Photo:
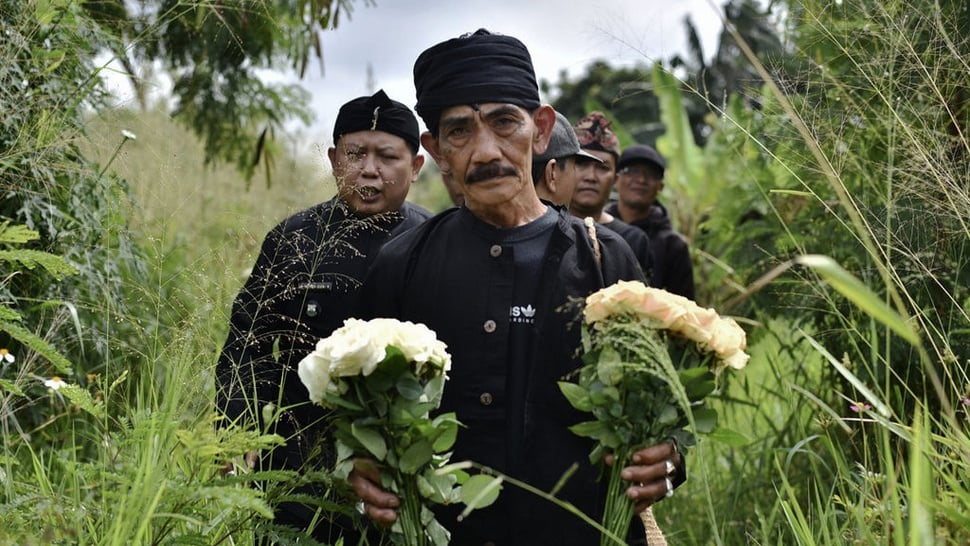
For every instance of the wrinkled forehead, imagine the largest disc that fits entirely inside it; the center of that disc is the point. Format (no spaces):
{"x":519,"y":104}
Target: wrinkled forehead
{"x":468,"y":113}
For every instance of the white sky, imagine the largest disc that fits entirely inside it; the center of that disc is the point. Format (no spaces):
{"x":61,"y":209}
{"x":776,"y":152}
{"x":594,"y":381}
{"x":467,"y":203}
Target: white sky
{"x":560,"y":34}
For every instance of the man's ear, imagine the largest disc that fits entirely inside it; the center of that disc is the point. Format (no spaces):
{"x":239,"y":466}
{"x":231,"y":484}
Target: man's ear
{"x":332,"y":156}
{"x":545,"y":119}
{"x":430,"y":143}
{"x":550,"y":181}
{"x":416,"y":165}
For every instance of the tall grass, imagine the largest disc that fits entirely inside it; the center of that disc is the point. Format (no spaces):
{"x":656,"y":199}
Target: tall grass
{"x":858,"y":435}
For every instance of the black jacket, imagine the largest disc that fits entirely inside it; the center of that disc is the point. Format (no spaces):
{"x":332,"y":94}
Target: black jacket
{"x":639,"y":243}
{"x":303,"y":286}
{"x":450,"y":274}
{"x":672,"y":267}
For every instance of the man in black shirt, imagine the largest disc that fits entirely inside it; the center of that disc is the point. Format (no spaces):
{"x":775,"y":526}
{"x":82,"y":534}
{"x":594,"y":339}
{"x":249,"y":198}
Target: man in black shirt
{"x":639,"y":179}
{"x":494,"y":280}
{"x":305,"y":283}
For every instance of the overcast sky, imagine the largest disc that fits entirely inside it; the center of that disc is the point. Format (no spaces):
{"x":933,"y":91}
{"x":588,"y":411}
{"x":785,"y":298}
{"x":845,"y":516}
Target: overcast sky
{"x":560,"y":34}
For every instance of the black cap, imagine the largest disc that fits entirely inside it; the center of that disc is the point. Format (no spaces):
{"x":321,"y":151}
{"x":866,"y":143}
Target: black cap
{"x":563,"y":143}
{"x":641,"y":153}
{"x":377,"y":113}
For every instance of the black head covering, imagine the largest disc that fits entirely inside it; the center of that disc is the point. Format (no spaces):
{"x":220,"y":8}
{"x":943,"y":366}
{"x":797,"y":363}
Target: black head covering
{"x":377,"y":113}
{"x":472,"y":69}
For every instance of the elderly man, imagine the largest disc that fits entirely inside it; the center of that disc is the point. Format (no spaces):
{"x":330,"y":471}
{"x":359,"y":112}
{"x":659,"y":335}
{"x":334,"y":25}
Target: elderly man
{"x":306,"y":279}
{"x":493,"y":279}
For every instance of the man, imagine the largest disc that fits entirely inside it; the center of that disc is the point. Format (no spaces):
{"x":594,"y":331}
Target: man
{"x":640,"y":173}
{"x":306,"y":279}
{"x":494,"y":280}
{"x":595,"y":184}
{"x":554,"y":171}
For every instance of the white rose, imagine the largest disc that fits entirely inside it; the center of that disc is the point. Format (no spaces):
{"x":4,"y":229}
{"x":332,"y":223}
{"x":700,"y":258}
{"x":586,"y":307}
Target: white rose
{"x":352,"y":349}
{"x":314,"y":372}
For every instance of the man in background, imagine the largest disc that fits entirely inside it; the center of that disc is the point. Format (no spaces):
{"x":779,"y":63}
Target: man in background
{"x":595,"y":184}
{"x":640,"y":174}
{"x":305,"y":284}
{"x":554,"y":170}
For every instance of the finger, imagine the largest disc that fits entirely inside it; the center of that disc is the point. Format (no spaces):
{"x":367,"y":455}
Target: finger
{"x":381,"y":516}
{"x":657,"y":453}
{"x":368,"y":469}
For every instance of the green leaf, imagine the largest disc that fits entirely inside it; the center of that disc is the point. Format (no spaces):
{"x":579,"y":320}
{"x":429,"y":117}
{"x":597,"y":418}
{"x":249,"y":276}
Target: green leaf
{"x":705,"y":419}
{"x":859,"y":294}
{"x":479,"y":491}
{"x":589,"y":429}
{"x":699,"y":388}
{"x":576,"y":396}
{"x":668,"y":415}
{"x":37,"y":344}
{"x":372,"y":441}
{"x":9,"y":386}
{"x":416,"y":456}
{"x":447,"y":425}
{"x":82,"y":399}
{"x":409,"y":386}
{"x":729,"y":437}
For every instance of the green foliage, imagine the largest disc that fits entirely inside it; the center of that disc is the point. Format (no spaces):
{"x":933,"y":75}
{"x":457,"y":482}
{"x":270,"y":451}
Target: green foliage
{"x":217,"y":54}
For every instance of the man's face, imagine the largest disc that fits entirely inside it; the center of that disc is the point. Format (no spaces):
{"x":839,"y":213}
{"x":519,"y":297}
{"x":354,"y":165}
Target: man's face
{"x":487,"y":150}
{"x":595,"y":182}
{"x":374,"y":171}
{"x":638,"y":184}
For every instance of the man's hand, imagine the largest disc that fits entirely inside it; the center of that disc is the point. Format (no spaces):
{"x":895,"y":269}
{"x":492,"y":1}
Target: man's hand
{"x":651,"y":474}
{"x":379,"y":505}
{"x":249,"y":459}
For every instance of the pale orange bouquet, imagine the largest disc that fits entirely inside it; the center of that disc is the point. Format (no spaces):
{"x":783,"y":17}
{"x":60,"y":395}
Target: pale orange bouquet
{"x":650,"y":358}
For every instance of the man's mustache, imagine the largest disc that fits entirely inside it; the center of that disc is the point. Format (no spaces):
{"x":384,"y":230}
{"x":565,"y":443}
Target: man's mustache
{"x":487,"y":171}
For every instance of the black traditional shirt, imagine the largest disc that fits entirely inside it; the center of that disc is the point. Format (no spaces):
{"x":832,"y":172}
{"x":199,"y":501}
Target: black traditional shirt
{"x":458,"y":275}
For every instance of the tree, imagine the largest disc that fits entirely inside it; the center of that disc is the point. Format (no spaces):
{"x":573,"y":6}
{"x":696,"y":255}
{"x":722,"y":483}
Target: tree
{"x":626,"y":94}
{"x":214,"y":52}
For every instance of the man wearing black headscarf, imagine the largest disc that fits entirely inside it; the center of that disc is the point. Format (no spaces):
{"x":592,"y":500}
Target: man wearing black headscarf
{"x":305,"y":283}
{"x":508,"y":265}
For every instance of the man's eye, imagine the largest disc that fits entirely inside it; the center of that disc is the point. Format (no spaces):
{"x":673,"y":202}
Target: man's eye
{"x":456,"y":132}
{"x":354,"y":155}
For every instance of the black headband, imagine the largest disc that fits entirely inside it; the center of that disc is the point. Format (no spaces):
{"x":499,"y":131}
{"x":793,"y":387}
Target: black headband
{"x":472,"y":69}
{"x":377,"y":113}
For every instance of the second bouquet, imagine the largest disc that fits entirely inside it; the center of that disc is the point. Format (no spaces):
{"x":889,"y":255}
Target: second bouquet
{"x":382,"y":379}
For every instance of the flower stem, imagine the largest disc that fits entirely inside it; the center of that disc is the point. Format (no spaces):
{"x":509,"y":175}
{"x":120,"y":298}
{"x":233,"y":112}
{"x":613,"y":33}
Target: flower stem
{"x":619,"y":510}
{"x":410,"y":511}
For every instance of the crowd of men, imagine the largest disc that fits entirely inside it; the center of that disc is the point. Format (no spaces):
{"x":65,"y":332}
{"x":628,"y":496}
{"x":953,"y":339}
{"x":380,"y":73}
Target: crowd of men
{"x":534,"y":228}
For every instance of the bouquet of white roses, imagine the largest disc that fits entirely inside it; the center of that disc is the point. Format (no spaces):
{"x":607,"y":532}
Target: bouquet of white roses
{"x":381,"y":379}
{"x":631,"y":385}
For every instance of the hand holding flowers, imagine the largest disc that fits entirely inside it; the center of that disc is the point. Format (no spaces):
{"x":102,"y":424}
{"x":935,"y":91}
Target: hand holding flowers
{"x":382,"y":378}
{"x":630,"y":384}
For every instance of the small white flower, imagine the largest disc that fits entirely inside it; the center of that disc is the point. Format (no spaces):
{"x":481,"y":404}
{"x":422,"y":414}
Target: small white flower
{"x":7,"y":356}
{"x":128,"y":134}
{"x":54,"y":383}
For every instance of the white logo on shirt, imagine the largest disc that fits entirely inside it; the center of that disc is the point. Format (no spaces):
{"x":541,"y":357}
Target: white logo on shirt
{"x":522,"y":314}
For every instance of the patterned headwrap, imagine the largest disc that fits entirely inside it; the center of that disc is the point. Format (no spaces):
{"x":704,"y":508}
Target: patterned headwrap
{"x":377,"y":113}
{"x":594,"y":133}
{"x":472,"y":69}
